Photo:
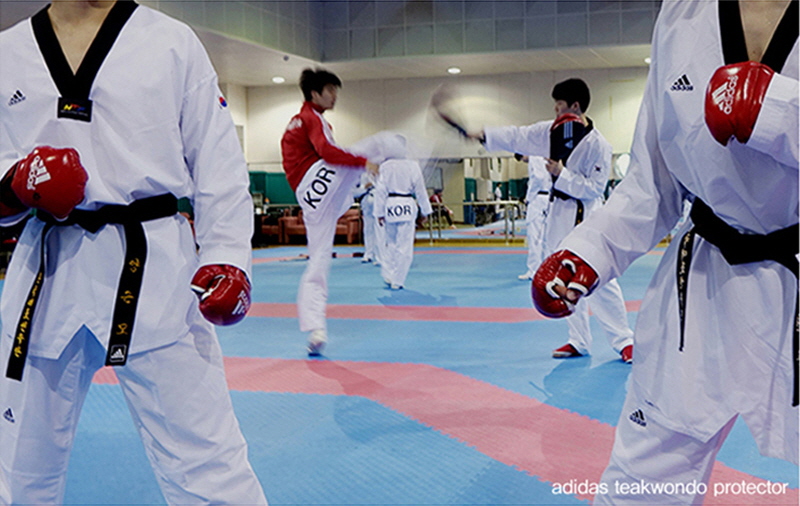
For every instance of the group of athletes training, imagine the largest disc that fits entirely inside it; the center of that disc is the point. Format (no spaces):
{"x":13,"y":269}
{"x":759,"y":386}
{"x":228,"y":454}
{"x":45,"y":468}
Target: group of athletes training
{"x":98,"y":176}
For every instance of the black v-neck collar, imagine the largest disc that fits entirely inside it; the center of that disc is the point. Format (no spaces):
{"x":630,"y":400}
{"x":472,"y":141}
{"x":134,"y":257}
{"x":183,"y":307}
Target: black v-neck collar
{"x":79,"y":85}
{"x":734,"y":48}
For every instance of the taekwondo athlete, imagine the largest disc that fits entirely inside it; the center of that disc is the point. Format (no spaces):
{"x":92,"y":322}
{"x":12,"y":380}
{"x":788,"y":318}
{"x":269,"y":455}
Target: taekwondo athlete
{"x":400,"y":196}
{"x":373,"y":234}
{"x":323,"y":177}
{"x":578,"y":160}
{"x":103,"y":270}
{"x":717,"y":329}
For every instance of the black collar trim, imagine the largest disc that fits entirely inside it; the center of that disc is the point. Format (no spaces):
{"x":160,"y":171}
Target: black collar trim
{"x":734,"y":48}
{"x":589,"y":126}
{"x":783,"y":39}
{"x":79,"y":85}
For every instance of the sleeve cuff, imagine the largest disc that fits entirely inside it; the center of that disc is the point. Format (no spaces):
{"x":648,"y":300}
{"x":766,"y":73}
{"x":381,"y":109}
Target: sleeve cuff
{"x":781,"y":91}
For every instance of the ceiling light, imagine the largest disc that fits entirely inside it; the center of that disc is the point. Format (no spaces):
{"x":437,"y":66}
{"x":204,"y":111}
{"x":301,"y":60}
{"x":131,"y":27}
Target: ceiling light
{"x":278,"y":80}
{"x":647,"y":60}
{"x":454,"y":70}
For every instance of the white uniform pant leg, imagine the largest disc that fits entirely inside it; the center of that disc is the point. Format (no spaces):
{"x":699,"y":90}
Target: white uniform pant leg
{"x":650,"y":454}
{"x":45,"y":407}
{"x":368,"y":227}
{"x":370,"y":247}
{"x":580,"y":335}
{"x":404,"y":252}
{"x":180,"y":404}
{"x":534,"y":239}
{"x":324,"y":194}
{"x":608,"y":305}
{"x":380,"y":242}
{"x":312,"y":294}
{"x":389,"y":254}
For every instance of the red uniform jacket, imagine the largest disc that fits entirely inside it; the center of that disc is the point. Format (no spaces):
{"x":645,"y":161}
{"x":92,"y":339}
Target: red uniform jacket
{"x":309,"y":138}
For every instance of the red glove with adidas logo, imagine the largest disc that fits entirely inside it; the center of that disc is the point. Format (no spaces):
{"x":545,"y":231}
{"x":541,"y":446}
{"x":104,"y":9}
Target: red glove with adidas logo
{"x":733,"y":100}
{"x":224,"y":293}
{"x":50,"y":179}
{"x":561,"y":280}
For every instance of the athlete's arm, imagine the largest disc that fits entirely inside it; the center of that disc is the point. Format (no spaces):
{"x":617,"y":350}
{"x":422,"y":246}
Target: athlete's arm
{"x":328,"y":151}
{"x":643,"y":208}
{"x":590,"y":184}
{"x":222,"y":204}
{"x":527,"y":140}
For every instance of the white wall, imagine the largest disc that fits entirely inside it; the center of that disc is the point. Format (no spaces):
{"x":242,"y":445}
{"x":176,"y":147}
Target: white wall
{"x":366,"y":107}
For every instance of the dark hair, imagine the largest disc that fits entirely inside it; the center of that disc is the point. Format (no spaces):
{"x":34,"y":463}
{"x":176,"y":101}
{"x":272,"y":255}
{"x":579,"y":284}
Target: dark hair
{"x":518,"y":157}
{"x":316,"y":80}
{"x":571,"y":91}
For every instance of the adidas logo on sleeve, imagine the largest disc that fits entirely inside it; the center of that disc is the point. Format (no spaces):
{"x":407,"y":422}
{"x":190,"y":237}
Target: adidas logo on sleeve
{"x":682,"y":84}
{"x":637,"y":417}
{"x":16,"y":98}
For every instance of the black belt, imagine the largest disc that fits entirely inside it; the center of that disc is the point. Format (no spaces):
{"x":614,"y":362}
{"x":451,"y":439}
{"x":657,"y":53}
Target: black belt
{"x":543,"y":192}
{"x":411,"y":195}
{"x":130,"y":217}
{"x":780,"y":246}
{"x":364,"y":195}
{"x":563,"y":196}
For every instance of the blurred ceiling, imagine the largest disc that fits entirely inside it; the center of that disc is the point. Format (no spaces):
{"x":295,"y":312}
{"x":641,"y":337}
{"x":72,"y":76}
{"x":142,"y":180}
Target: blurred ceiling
{"x":249,"y":64}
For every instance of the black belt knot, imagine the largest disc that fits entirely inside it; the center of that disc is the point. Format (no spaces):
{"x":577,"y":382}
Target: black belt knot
{"x":131,"y":217}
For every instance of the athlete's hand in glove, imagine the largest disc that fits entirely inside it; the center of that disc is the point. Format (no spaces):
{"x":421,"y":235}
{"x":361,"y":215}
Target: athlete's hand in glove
{"x":50,"y":179}
{"x":224,"y":293}
{"x":733,"y":100}
{"x":560,"y":281}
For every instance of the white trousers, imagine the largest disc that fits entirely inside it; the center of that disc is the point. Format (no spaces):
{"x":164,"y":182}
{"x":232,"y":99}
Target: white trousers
{"x":180,"y":404}
{"x":373,"y":234}
{"x":607,"y":302}
{"x":399,"y":251}
{"x":647,"y":455}
{"x":608,"y":305}
{"x":535,"y":216}
{"x":324,"y":194}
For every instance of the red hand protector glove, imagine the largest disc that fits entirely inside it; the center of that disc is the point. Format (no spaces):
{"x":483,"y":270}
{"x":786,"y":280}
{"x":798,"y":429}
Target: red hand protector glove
{"x":733,"y":100}
{"x":224,"y":293}
{"x":560,"y":281}
{"x":565,"y":118}
{"x":50,"y":179}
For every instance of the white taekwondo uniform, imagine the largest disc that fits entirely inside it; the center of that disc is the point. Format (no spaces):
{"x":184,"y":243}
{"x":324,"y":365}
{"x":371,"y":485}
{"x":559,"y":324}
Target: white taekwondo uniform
{"x":400,"y":189}
{"x":538,"y":202}
{"x":373,"y":234}
{"x":580,"y":186}
{"x":735,"y":354}
{"x":158,"y":125}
